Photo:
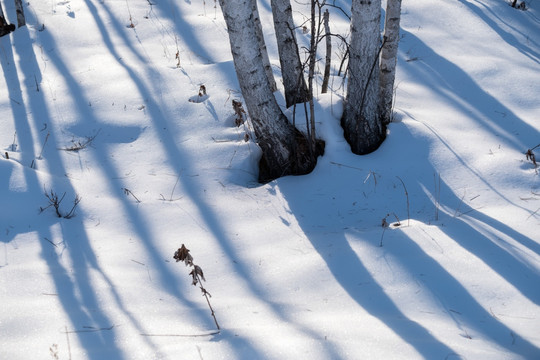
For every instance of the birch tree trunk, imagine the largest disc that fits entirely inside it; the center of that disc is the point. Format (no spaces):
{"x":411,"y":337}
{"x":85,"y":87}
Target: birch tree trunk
{"x":284,"y":149}
{"x":262,"y":46}
{"x":361,"y":121}
{"x":21,"y":21}
{"x":289,"y":58}
{"x":328,"y":59}
{"x":388,"y":58}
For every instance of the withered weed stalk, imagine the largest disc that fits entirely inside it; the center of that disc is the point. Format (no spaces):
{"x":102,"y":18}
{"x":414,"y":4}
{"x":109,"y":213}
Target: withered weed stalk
{"x":129,"y":192}
{"x":239,"y":112}
{"x":13,"y":146}
{"x":182,"y":254}
{"x":55,"y":201}
{"x":77,"y":145}
{"x":172,"y":192}
{"x":201,"y":96}
{"x":530,"y":156}
{"x":131,"y":24}
{"x":177,"y":56}
{"x":407,"y":196}
{"x":385,"y":225}
{"x":53,"y":351}
{"x":437,"y":195}
{"x":33,"y":164}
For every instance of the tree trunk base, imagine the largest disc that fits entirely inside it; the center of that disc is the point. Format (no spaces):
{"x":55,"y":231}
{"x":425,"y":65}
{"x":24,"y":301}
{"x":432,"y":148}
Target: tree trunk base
{"x":6,"y":29}
{"x":360,"y":136}
{"x":301,"y":162}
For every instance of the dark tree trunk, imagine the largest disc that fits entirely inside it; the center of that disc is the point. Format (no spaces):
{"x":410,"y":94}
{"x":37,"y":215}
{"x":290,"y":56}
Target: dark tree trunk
{"x":328,"y":60}
{"x":5,"y":28}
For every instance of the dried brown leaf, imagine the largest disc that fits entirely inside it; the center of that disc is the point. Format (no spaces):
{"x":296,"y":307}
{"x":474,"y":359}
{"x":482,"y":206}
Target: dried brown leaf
{"x":182,"y":254}
{"x":197,"y":273}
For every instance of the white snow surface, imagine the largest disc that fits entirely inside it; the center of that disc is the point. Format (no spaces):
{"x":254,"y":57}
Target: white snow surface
{"x":295,"y":267}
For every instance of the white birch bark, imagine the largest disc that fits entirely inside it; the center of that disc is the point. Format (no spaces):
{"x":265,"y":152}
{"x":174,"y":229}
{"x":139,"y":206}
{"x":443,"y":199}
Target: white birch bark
{"x":262,"y":46}
{"x":361,"y":122}
{"x":275,"y":135}
{"x":289,"y":58}
{"x":388,"y":58}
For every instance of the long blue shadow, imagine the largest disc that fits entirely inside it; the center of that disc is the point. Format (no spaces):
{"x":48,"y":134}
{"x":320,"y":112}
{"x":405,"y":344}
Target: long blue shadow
{"x":179,"y":161}
{"x":450,"y":82}
{"x":75,"y":293}
{"x":487,"y":14}
{"x":350,"y":272}
{"x":459,"y":90}
{"x":507,"y":263}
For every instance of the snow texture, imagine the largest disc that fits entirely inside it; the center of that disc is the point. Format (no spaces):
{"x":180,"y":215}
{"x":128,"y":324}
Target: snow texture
{"x":94,"y":103}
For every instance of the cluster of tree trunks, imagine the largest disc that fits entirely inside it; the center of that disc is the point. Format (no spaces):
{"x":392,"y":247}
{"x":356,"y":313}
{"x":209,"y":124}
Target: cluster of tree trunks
{"x":371,"y":69}
{"x":283,"y":146}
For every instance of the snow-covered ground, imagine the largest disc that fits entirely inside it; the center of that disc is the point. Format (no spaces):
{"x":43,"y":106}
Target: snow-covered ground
{"x":295,"y":267}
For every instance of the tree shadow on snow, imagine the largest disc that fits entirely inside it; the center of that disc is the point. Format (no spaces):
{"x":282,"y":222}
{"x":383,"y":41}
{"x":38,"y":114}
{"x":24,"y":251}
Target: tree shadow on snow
{"x":459,"y":90}
{"x":73,"y":285}
{"x":102,"y":342}
{"x":337,"y":223}
{"x":486,"y":238}
{"x":179,"y":161}
{"x":492,"y":18}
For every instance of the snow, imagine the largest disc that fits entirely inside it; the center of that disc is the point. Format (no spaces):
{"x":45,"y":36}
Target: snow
{"x":295,"y":267}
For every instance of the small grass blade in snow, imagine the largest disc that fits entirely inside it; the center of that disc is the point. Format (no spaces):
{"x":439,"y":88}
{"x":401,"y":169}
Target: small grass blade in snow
{"x":182,"y":254}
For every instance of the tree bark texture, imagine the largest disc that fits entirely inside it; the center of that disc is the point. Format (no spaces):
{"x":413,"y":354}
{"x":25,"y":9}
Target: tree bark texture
{"x":21,"y":21}
{"x":262,"y":46}
{"x":328,"y":60}
{"x":281,"y":144}
{"x":361,"y":120}
{"x":388,"y":58}
{"x":289,"y":58}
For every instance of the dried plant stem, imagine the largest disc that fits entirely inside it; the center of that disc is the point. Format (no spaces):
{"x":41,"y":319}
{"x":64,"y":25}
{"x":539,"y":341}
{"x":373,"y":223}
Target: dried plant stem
{"x":131,"y":25}
{"x":13,"y":146}
{"x":44,"y":143}
{"x":55,"y":201}
{"x":206,"y":295}
{"x":183,"y":335}
{"x":129,"y":192}
{"x":68,"y":344}
{"x":407,"y":196}
{"x":177,"y":52}
{"x":437,"y":195}
{"x":182,"y":254}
